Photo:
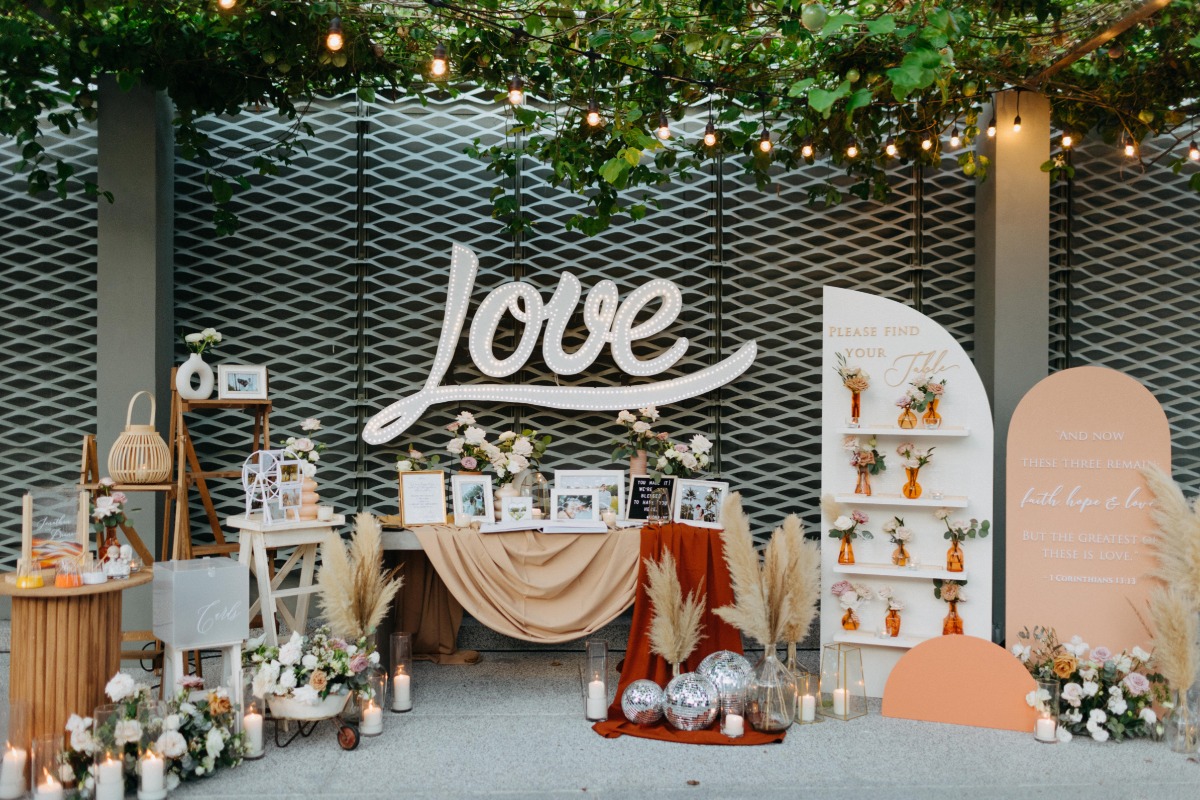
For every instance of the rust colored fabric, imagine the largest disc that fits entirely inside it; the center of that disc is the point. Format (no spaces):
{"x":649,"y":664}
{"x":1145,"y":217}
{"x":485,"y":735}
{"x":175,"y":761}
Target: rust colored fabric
{"x":701,"y":566}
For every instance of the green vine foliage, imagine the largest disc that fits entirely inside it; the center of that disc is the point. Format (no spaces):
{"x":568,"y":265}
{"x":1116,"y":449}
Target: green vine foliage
{"x":821,"y":76}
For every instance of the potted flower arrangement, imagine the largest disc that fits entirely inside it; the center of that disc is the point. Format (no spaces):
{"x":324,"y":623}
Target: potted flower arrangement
{"x":1104,"y":694}
{"x":914,"y":459}
{"x":310,"y":677}
{"x":857,"y":381}
{"x":892,"y":620}
{"x":467,"y":446}
{"x":683,"y":460}
{"x":899,"y":536}
{"x":956,"y":533}
{"x":415,"y":460}
{"x":867,"y":461}
{"x":107,"y":513}
{"x":926,"y":394}
{"x":307,"y":451}
{"x":851,"y":596}
{"x":950,"y":592}
{"x":195,"y":366}
{"x":847,"y":529}
{"x":639,"y":441}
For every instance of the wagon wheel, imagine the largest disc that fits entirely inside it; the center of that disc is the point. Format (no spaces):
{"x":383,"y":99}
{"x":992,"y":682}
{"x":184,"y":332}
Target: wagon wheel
{"x":347,"y":737}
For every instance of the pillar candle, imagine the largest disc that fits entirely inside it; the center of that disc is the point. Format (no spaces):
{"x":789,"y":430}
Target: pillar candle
{"x":372,"y":719}
{"x":1045,"y":730}
{"x":839,"y":702}
{"x":597,"y":705}
{"x":12,"y":773}
{"x":252,"y":723}
{"x":808,"y":708}
{"x":48,"y":789}
{"x":734,"y":725}
{"x":152,"y":773}
{"x":401,"y":692}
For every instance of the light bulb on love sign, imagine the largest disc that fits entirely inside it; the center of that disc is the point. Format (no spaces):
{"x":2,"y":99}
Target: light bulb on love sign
{"x":607,"y":321}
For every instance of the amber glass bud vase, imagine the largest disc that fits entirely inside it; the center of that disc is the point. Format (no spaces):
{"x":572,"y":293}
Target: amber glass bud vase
{"x":864,"y":481}
{"x":850,"y":620}
{"x":953,"y":623}
{"x":931,"y":418}
{"x":855,"y":405}
{"x":954,"y":557}
{"x":912,"y":489}
{"x":900,"y":555}
{"x":907,"y":419}
{"x":892,"y":621}
{"x":846,"y":553}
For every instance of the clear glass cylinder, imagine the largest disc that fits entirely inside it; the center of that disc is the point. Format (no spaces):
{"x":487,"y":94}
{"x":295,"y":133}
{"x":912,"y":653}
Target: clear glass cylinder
{"x":595,"y":699}
{"x":1046,"y":705}
{"x":770,"y":695}
{"x":658,"y":507}
{"x":152,"y":772}
{"x":1181,"y":725}
{"x":14,"y":765}
{"x":44,"y":774}
{"x":252,"y":720}
{"x":371,"y":700}
{"x":733,"y":714}
{"x":108,"y":765}
{"x":104,"y":722}
{"x":843,"y":687}
{"x":401,"y":664}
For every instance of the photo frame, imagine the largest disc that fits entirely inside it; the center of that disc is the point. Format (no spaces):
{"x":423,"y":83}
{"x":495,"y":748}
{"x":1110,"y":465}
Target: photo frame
{"x":610,"y":483}
{"x":699,"y":502}
{"x":241,"y":382}
{"x":640,"y":487}
{"x":423,"y":497}
{"x":282,"y":501}
{"x":575,"y":505}
{"x":54,"y":524}
{"x":472,"y":498}
{"x":516,"y":510}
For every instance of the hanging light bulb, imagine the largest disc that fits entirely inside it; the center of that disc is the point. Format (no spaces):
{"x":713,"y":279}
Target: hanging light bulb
{"x":764,"y":140}
{"x":593,"y":114}
{"x":927,"y":144}
{"x":710,"y":134}
{"x":438,"y":66}
{"x":664,"y":127}
{"x":1193,"y":151}
{"x":226,"y":5}
{"x":806,"y":149}
{"x":890,"y":147}
{"x":991,"y":128}
{"x":1067,"y":140}
{"x":334,"y":39}
{"x":516,"y":90}
{"x":1130,"y":148}
{"x":1017,"y":124}
{"x":955,"y":139}
{"x":852,"y":149}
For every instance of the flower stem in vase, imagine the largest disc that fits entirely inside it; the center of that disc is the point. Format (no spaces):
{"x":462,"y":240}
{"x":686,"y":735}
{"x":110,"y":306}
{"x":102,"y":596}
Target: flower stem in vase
{"x":864,"y":481}
{"x":953,"y":623}
{"x":846,"y":553}
{"x":855,"y":405}
{"x":892,"y":621}
{"x":900,"y":556}
{"x":907,"y":419}
{"x":954,"y":557}
{"x":931,"y":418}
{"x":912,"y":489}
{"x":850,"y":620}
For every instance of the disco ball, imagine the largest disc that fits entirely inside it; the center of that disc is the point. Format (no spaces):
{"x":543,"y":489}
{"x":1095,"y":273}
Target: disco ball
{"x":729,"y":672}
{"x":691,"y":702}
{"x":642,"y":702}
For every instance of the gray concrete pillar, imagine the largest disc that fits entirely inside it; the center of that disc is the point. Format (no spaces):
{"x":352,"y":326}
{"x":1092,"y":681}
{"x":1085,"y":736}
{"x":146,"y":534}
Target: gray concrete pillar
{"x":135,"y":283}
{"x":1012,"y":276}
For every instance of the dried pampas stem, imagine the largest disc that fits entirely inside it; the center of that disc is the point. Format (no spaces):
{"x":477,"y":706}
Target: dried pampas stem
{"x":1177,"y":636}
{"x":804,"y":581}
{"x":354,"y":592}
{"x":749,"y":611}
{"x":830,"y":507}
{"x":1178,"y":540}
{"x":675,"y":620}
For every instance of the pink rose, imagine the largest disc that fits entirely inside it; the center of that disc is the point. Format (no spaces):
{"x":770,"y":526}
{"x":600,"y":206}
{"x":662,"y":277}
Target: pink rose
{"x":681,"y":448}
{"x":1101,"y":654}
{"x":469,"y":463}
{"x":1136,"y":684}
{"x":119,"y":497}
{"x":452,"y":427}
{"x":337,"y":644}
{"x":904,"y":402}
{"x":841,"y":586}
{"x":358,"y":662}
{"x":859,"y":517}
{"x":662,"y":437}
{"x":905,"y":448}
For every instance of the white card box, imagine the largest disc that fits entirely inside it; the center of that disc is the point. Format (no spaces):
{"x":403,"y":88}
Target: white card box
{"x":203,"y":602}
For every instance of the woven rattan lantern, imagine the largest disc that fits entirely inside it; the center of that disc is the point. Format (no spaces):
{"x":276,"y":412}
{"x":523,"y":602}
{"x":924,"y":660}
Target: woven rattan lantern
{"x":139,"y":455}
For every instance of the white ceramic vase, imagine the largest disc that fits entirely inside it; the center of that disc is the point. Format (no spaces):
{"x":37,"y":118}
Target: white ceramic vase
{"x":502,"y":493}
{"x":194,"y":366}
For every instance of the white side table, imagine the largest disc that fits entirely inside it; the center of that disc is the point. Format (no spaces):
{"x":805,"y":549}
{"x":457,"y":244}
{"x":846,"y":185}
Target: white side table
{"x":306,"y":536}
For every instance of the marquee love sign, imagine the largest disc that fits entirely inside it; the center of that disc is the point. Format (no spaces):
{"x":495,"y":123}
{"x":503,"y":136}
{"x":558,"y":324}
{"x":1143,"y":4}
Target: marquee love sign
{"x":607,"y":322}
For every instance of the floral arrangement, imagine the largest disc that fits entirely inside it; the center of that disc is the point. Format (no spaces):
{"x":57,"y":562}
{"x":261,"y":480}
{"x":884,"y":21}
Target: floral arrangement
{"x":514,"y":452}
{"x":468,"y":447}
{"x":923,"y":390}
{"x":851,"y":596}
{"x":305,"y":448}
{"x":670,"y":458}
{"x":1104,"y":694}
{"x":638,"y":434}
{"x":108,"y":507}
{"x":414,"y":459}
{"x":853,"y":378}
{"x":684,"y":460}
{"x":309,"y":669}
{"x":847,"y":527}
{"x":959,"y":531}
{"x":897,"y":532}
{"x":868,"y":456}
{"x":206,"y":339}
{"x":196,"y":737}
{"x":914,"y":457}
{"x":949,"y":591}
{"x":888,"y":595}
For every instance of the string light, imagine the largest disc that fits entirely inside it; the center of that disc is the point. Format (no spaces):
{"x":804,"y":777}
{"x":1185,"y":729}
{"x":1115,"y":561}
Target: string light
{"x":664,"y":127}
{"x":991,"y":128}
{"x":334,"y":39}
{"x":710,"y":134}
{"x":1130,"y":148}
{"x":890,"y":147}
{"x":852,"y":149}
{"x":764,"y":138}
{"x":593,"y":114}
{"x":1017,"y":118}
{"x":927,"y":144}
{"x":955,"y":139}
{"x":806,"y":149}
{"x":1193,"y":151}
{"x":1067,"y":140}
{"x":226,"y":5}
{"x":438,"y":66}
{"x":516,"y":90}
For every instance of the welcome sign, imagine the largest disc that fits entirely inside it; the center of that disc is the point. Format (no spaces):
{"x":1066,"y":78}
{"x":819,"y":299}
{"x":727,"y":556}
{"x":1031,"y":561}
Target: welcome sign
{"x":1079,"y":512}
{"x":608,"y":321}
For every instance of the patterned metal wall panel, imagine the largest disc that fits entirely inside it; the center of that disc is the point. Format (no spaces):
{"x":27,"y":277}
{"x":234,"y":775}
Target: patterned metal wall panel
{"x":282,"y":292}
{"x":1136,"y":237}
{"x":48,"y":291}
{"x":948,"y":249}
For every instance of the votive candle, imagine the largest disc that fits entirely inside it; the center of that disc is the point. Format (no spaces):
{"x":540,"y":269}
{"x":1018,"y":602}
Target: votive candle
{"x":735,"y":726}
{"x":372,"y":720}
{"x":48,"y":789}
{"x":401,"y":692}
{"x":153,"y":777}
{"x":1045,"y":729}
{"x":110,"y":779}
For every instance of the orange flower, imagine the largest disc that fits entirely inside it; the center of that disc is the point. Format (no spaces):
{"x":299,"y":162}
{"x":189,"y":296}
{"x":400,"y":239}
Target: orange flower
{"x":1064,"y":665}
{"x":318,"y":680}
{"x":219,"y":704}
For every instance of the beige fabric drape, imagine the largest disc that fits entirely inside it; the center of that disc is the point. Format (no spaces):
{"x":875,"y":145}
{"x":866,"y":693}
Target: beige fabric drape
{"x":539,"y":587}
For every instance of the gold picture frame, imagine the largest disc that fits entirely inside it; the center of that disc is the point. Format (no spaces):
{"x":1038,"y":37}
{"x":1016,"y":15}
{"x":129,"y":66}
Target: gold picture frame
{"x":425,"y":497}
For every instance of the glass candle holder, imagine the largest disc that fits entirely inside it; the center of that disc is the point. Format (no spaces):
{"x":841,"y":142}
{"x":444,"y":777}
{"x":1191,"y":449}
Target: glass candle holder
{"x":596,"y":680}
{"x":853,"y":422}
{"x":16,"y":751}
{"x":109,"y":767}
{"x":252,"y":717}
{"x":658,"y":507}
{"x":29,"y":576}
{"x":152,"y":773}
{"x":808,"y":693}
{"x":44,"y":772}
{"x":401,"y":671}
{"x":843,"y":688}
{"x":1045,"y":703}
{"x":733,"y":714}
{"x":370,"y":703}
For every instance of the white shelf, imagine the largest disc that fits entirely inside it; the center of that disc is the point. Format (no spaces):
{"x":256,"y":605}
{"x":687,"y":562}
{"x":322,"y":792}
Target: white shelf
{"x":892,"y":571}
{"x":897,"y":499}
{"x":892,"y":430}
{"x":871,"y":640}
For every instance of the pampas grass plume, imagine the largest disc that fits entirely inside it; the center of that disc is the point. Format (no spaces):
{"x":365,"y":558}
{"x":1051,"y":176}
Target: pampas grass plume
{"x":354,"y":592}
{"x":675,"y":620}
{"x":1176,"y":637}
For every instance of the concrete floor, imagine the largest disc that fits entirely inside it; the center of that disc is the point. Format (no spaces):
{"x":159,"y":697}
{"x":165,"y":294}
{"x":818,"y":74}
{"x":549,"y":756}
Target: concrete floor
{"x":513,"y":726}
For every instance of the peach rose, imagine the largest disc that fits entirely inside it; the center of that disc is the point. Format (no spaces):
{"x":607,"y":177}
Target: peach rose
{"x":318,"y":680}
{"x":1064,"y":665}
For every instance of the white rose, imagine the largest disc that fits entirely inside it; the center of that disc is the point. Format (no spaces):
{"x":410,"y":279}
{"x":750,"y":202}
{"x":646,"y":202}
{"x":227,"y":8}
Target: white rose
{"x":1090,"y":688}
{"x":890,"y":526}
{"x":309,"y":661}
{"x":625,"y":416}
{"x":120,"y":687}
{"x":1096,"y":716}
{"x":214,"y":743}
{"x":1100,"y":735}
{"x":641,"y":427}
{"x":517,"y":462}
{"x":404,"y":466}
{"x":171,"y":744}
{"x":475,"y":435}
{"x":264,"y":680}
{"x":314,"y":456}
{"x":904,"y":534}
{"x":523,"y":447}
{"x":1072,"y":692}
{"x":843,"y":523}
{"x":1117,"y":705}
{"x":689,"y":461}
{"x":701,"y":444}
{"x":306,"y":694}
{"x":1140,"y":654}
{"x":302,"y":445}
{"x":193,"y":338}
{"x":126,"y":732}
{"x":209,"y":333}
{"x":83,"y":742}
{"x":290,"y":653}
{"x":455,"y":447}
{"x":465,"y":418}
{"x":308,"y":469}
{"x":311,"y":424}
{"x":1148,"y":716}
{"x":504,"y":437}
{"x":941,"y":513}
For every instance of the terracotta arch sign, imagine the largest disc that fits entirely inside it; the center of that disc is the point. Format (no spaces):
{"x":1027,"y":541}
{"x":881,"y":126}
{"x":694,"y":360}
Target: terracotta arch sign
{"x":1079,"y":512}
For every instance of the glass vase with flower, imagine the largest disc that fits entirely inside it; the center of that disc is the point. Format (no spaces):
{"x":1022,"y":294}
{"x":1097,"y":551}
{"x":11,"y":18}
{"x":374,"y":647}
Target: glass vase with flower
{"x":856,"y":380}
{"x":951,"y":593}
{"x":958,"y":532}
{"x":900,"y":536}
{"x":914,"y":458}
{"x":846,"y":528}
{"x":851,"y":596}
{"x":866,"y":460}
{"x":639,"y":441}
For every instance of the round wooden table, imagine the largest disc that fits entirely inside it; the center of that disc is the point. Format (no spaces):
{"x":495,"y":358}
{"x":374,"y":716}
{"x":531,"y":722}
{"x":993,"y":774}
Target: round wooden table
{"x":66,"y":644}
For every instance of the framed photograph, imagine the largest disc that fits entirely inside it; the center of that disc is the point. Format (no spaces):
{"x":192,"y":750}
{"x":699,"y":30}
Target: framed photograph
{"x":580,"y":505}
{"x":516,"y":509}
{"x":423,"y":497}
{"x":241,"y":382}
{"x":610,"y":483}
{"x":699,"y":502}
{"x":640,"y":487}
{"x":282,"y":501}
{"x":54,"y":525}
{"x":473,"y":498}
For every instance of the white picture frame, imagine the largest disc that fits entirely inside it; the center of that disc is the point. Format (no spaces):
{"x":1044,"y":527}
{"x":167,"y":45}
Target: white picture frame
{"x":575,"y":505}
{"x":703,"y":498}
{"x":610,"y":483}
{"x":635,"y":503}
{"x":473,"y":500}
{"x":423,"y":497}
{"x":241,"y":382}
{"x":516,"y":510}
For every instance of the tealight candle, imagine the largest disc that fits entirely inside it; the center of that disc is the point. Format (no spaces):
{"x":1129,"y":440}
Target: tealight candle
{"x":12,"y":773}
{"x":839,"y":702}
{"x":325,"y":513}
{"x":252,"y":724}
{"x":153,"y":786}
{"x":808,"y":708}
{"x":372,"y":720}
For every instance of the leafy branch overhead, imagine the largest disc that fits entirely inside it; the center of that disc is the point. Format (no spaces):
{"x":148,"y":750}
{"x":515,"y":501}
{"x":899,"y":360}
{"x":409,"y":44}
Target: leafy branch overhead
{"x":840,"y":81}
